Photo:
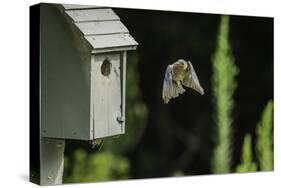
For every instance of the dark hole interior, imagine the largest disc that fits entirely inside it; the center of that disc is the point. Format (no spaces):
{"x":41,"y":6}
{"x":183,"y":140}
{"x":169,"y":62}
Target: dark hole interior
{"x":106,"y":67}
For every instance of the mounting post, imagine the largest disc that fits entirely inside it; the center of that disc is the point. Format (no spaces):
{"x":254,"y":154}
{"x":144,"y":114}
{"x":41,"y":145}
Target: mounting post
{"x":51,"y":161}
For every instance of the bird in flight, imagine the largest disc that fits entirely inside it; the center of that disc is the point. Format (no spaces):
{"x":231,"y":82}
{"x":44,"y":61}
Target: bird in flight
{"x":181,"y":73}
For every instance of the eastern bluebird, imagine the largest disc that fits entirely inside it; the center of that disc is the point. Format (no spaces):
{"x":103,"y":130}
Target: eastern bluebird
{"x":178,"y":74}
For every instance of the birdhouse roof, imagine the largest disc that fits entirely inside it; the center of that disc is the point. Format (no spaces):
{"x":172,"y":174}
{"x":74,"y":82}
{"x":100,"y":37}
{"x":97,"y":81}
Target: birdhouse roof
{"x":100,"y":27}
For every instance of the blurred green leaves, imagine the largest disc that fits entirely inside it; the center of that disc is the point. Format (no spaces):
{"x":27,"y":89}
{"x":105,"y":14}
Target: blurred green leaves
{"x":264,"y":133}
{"x":264,"y":144}
{"x":247,"y":164}
{"x":224,"y":85}
{"x":95,"y":167}
{"x":178,"y":173}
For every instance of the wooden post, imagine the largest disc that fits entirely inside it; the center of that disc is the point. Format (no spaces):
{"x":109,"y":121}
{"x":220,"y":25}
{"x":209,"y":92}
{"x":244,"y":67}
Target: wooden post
{"x":51,"y":161}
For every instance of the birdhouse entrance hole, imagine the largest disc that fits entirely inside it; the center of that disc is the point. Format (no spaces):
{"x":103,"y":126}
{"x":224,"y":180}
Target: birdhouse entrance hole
{"x":106,"y":67}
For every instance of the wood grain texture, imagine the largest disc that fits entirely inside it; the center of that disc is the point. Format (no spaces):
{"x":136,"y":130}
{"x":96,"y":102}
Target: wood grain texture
{"x":101,"y":27}
{"x":74,"y":7}
{"x":110,"y":41}
{"x":106,"y":96}
{"x":65,"y":79}
{"x":78,"y":102}
{"x":52,"y":160}
{"x":86,"y":15}
{"x":111,"y":50}
{"x":123,"y":86}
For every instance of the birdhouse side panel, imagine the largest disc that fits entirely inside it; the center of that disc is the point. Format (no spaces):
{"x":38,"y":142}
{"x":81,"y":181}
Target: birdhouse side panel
{"x":65,"y":78}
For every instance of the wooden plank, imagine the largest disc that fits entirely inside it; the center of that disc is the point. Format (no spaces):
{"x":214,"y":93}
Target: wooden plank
{"x":123,"y":86}
{"x":106,"y":96}
{"x":110,"y":50}
{"x":51,"y":161}
{"x":115,"y":97}
{"x":110,"y":41}
{"x":86,"y":15}
{"x":101,"y":27}
{"x":74,"y":6}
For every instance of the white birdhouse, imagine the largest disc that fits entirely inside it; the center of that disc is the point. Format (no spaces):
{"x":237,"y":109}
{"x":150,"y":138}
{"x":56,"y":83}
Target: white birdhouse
{"x":83,"y":71}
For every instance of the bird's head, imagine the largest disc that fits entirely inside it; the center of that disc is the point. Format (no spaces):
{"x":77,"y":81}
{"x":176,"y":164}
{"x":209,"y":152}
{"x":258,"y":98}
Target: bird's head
{"x":182,"y":64}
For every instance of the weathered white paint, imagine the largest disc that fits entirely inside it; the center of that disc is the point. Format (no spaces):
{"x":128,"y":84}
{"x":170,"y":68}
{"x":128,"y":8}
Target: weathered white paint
{"x":51,"y":161}
{"x":106,"y":96}
{"x":123,"y":85}
{"x":77,"y":101}
{"x":74,"y":6}
{"x":75,"y":104}
{"x":71,"y":82}
{"x":65,"y":79}
{"x":101,"y":27}
{"x":84,"y":15}
{"x":110,"y":41}
{"x":108,"y":50}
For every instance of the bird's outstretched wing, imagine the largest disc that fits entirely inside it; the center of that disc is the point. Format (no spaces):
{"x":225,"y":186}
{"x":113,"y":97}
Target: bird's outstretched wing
{"x":170,"y":89}
{"x":191,"y":80}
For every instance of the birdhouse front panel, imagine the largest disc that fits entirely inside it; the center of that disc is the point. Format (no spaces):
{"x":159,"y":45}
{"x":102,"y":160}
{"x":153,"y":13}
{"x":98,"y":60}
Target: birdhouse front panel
{"x":107,"y":94}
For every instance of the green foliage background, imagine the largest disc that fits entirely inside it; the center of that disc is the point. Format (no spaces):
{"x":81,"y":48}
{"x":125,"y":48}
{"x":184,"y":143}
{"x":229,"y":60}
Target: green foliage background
{"x":264,"y":133}
{"x":224,"y":85}
{"x":156,"y":151}
{"x":247,"y":162}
